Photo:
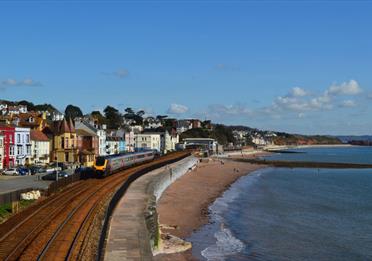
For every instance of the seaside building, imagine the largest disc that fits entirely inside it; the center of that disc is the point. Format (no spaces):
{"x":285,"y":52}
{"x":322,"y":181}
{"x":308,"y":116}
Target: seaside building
{"x":170,"y":139}
{"x":183,"y":125}
{"x":8,"y":146}
{"x":22,"y":146}
{"x":146,"y":141}
{"x":112,"y":145}
{"x":99,"y":130}
{"x":88,"y":146}
{"x":119,"y":138}
{"x":1,"y":150}
{"x":64,"y":141}
{"x":206,"y":144}
{"x":129,"y":141}
{"x":40,"y":147}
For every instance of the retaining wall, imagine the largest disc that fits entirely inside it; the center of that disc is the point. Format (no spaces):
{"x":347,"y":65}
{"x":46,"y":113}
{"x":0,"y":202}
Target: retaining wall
{"x":134,"y":230}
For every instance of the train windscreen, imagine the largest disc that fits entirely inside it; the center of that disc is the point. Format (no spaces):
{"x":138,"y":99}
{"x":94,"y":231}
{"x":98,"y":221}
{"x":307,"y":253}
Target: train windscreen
{"x":100,"y":161}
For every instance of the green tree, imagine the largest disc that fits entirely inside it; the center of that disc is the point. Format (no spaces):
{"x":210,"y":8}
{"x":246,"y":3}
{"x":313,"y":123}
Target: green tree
{"x":72,"y":112}
{"x":129,"y":110}
{"x":114,"y":118}
{"x":99,"y":117}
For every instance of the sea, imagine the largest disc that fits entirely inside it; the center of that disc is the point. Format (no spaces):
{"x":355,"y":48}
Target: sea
{"x":294,"y":214}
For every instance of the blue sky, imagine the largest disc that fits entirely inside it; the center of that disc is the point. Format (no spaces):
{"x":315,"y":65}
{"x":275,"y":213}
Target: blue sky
{"x":301,"y":67}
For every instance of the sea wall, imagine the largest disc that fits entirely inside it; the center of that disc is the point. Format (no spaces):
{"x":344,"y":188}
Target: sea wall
{"x":134,"y":228}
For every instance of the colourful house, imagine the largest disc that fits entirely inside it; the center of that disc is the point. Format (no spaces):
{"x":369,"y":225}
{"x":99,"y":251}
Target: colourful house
{"x":88,"y":146}
{"x":8,"y":157}
{"x":64,"y":141}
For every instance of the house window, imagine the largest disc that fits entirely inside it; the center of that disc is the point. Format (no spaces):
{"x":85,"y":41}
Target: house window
{"x":11,"y":150}
{"x":19,"y":150}
{"x":62,"y":142}
{"x":10,"y":139}
{"x":18,"y":138}
{"x":29,"y":150}
{"x":27,"y":138}
{"x":67,"y":143}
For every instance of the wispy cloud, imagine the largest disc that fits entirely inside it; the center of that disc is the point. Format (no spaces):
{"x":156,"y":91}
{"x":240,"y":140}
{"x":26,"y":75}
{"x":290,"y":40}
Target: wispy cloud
{"x":348,"y":104}
{"x":219,"y":112}
{"x":177,"y":109}
{"x":119,"y":73}
{"x":11,"y":83}
{"x":226,"y":67}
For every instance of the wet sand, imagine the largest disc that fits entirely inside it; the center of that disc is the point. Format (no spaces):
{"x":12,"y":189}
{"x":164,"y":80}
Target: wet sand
{"x":184,"y":204}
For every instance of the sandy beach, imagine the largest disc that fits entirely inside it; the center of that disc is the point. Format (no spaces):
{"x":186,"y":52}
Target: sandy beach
{"x":184,"y":205}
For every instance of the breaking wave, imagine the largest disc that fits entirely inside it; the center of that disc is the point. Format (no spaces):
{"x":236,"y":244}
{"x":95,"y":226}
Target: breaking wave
{"x":226,"y":245}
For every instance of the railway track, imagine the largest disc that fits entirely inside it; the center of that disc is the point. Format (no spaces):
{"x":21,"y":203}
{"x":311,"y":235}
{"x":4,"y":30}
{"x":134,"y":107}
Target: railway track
{"x":59,"y":227}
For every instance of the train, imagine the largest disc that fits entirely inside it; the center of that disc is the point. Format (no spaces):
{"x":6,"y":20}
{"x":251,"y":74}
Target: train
{"x":108,"y":165}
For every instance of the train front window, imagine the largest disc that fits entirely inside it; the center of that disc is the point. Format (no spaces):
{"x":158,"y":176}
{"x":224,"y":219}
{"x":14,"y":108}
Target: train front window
{"x":100,"y":161}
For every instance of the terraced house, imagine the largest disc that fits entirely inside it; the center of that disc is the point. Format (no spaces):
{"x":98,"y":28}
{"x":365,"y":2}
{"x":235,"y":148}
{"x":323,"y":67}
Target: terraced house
{"x":1,"y":149}
{"x":39,"y":147}
{"x":22,"y":146}
{"x":8,"y":146}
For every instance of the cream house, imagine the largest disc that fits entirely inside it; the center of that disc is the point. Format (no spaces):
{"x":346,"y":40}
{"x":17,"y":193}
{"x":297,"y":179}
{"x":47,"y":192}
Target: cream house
{"x":40,"y":145}
{"x":170,"y":141}
{"x":153,"y":141}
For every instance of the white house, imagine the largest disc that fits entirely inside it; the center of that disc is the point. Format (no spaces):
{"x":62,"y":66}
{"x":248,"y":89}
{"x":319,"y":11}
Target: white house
{"x":129,"y":141}
{"x":22,"y":146}
{"x":170,"y":141}
{"x":112,"y":145}
{"x":183,"y":125}
{"x":152,"y":141}
{"x":136,"y":128}
{"x":152,"y":123}
{"x":3,"y":108}
{"x":57,"y":116}
{"x":1,"y":150}
{"x":40,"y":147}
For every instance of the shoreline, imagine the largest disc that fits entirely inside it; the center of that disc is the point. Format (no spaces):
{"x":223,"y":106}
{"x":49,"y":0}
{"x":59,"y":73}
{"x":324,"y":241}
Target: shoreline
{"x":286,"y":147}
{"x":184,"y":206}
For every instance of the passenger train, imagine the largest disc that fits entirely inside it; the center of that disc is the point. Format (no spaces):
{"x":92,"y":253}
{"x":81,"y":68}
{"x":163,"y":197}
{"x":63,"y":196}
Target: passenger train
{"x":107,"y":165}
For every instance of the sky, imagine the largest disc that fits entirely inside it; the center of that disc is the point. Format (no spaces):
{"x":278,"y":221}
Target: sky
{"x":296,"y":66}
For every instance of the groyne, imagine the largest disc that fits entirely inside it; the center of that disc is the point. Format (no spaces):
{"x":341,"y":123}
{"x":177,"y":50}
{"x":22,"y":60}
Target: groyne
{"x":305,"y":164}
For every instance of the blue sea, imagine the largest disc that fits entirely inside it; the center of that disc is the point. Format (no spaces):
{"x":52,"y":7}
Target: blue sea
{"x":294,"y":214}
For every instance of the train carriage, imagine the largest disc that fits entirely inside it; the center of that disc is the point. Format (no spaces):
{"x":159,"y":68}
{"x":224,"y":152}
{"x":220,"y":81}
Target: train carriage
{"x":107,"y":165}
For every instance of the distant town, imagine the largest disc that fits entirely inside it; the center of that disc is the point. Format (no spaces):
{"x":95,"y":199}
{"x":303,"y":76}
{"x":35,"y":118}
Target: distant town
{"x":40,"y":134}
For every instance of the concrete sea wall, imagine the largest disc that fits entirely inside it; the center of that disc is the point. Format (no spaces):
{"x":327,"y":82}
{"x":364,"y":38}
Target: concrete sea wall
{"x":134,"y":228}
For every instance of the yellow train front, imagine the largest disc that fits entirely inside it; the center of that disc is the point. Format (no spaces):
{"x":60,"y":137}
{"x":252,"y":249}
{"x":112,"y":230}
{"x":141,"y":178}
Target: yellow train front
{"x":108,"y":165}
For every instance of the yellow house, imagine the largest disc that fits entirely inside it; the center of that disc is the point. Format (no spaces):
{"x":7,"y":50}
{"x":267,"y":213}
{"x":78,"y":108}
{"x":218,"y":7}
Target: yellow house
{"x":64,"y":142}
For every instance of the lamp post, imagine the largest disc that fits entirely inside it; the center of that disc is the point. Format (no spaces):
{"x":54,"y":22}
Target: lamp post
{"x":56,"y":167}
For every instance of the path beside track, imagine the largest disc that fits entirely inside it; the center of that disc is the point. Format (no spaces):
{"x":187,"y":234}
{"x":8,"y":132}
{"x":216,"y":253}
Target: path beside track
{"x":59,"y":226}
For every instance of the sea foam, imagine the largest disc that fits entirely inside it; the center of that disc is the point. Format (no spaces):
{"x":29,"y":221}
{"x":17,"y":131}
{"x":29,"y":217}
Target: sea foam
{"x":226,"y":245}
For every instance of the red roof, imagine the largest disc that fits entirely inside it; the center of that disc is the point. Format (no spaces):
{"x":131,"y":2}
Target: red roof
{"x":38,"y":136}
